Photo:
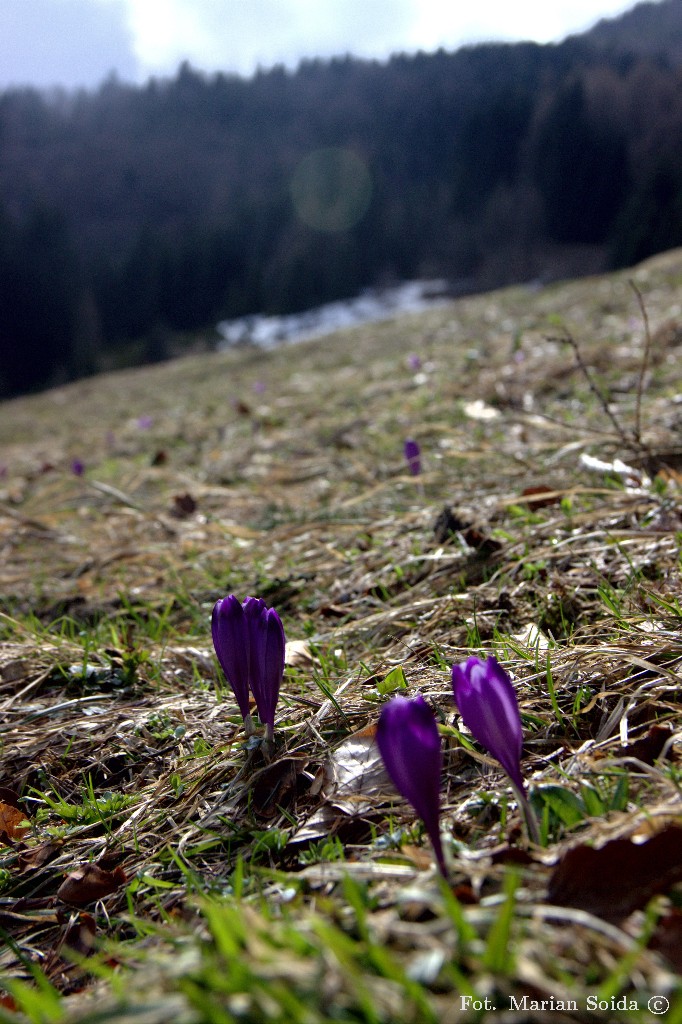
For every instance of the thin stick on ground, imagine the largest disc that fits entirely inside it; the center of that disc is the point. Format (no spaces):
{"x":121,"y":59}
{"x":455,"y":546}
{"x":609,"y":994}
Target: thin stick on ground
{"x":646,"y":355}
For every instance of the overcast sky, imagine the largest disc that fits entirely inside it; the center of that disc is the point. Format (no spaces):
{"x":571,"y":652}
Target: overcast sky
{"x":80,"y":42}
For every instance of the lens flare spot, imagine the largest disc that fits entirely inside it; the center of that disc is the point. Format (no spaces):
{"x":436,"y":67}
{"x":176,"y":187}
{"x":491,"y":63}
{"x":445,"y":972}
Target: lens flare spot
{"x":331,"y":189}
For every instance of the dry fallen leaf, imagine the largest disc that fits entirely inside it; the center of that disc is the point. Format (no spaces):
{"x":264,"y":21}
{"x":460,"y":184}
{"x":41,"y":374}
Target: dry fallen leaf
{"x":649,"y":747}
{"x":278,"y":785}
{"x":619,"y":877}
{"x":357,"y":774}
{"x":80,"y":934}
{"x":184,"y":505}
{"x":531,"y":636}
{"x":13,"y":824}
{"x":540,"y":496}
{"x":297,"y":653}
{"x":89,"y":883}
{"x":667,"y":938}
{"x":321,"y":823}
{"x":480,"y":410}
{"x":31,"y":860}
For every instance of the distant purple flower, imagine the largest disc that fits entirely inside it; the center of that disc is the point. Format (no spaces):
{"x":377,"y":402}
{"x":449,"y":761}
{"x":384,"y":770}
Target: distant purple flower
{"x":409,"y":744}
{"x":144,"y":422}
{"x":414,"y":362}
{"x":259,"y":387}
{"x":249,"y":644}
{"x":487,"y":703}
{"x":77,"y":467}
{"x":413,"y":456}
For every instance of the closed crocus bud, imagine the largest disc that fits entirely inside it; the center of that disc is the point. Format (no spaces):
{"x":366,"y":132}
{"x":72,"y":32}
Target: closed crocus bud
{"x":232,"y":644}
{"x":413,"y":456}
{"x":487,"y":703}
{"x":409,"y":744}
{"x":266,"y":662}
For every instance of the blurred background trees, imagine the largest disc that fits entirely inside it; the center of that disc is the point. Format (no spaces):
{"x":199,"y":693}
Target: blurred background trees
{"x":133,"y":217}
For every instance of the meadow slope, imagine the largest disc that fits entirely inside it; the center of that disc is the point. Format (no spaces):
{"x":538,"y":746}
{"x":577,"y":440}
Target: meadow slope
{"x":155,"y":867}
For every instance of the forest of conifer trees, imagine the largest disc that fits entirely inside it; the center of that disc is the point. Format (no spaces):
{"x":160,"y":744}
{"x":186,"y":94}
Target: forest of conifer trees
{"x":132,"y":218}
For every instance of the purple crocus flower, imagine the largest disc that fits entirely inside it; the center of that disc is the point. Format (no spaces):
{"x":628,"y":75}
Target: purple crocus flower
{"x":230,"y":639}
{"x":413,"y":456}
{"x":266,"y":659}
{"x":249,"y":644}
{"x":487,"y":703}
{"x":409,"y":744}
{"x":77,"y":467}
{"x":414,"y":362}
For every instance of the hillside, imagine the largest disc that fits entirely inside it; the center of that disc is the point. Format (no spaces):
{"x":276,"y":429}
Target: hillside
{"x":198,"y":877}
{"x":143,"y":216}
{"x":649,"y":28}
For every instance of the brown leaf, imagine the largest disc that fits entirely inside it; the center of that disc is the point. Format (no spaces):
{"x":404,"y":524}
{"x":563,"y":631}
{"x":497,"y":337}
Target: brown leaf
{"x":481,"y":543}
{"x":551,"y":496}
{"x":450,"y":522}
{"x":667,"y":938}
{"x":11,"y":671}
{"x":9,"y":796}
{"x":650,"y":747}
{"x":278,"y":785}
{"x":465,"y":894}
{"x":13,"y":826}
{"x":512,"y":855}
{"x":31,"y":860}
{"x":184,"y":505}
{"x":620,"y":876}
{"x":322,"y":823}
{"x":89,"y":883}
{"x":80,"y":934}
{"x":418,"y":855}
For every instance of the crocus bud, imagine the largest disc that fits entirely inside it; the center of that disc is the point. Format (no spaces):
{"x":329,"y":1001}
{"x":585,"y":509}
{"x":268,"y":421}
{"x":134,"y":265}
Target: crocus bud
{"x":413,"y":456}
{"x":266,"y":661}
{"x":487,"y":703}
{"x":77,"y":467}
{"x":249,"y":644}
{"x":409,"y":744}
{"x":233,"y":650}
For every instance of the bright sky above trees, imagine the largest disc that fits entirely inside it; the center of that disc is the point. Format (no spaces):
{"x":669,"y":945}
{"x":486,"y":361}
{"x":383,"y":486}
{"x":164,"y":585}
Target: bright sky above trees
{"x":80,"y":42}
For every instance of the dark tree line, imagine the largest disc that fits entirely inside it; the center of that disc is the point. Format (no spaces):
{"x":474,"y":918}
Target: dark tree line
{"x":134,"y":216}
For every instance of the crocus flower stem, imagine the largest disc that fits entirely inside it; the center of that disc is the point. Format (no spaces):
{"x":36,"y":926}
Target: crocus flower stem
{"x":528,"y":815}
